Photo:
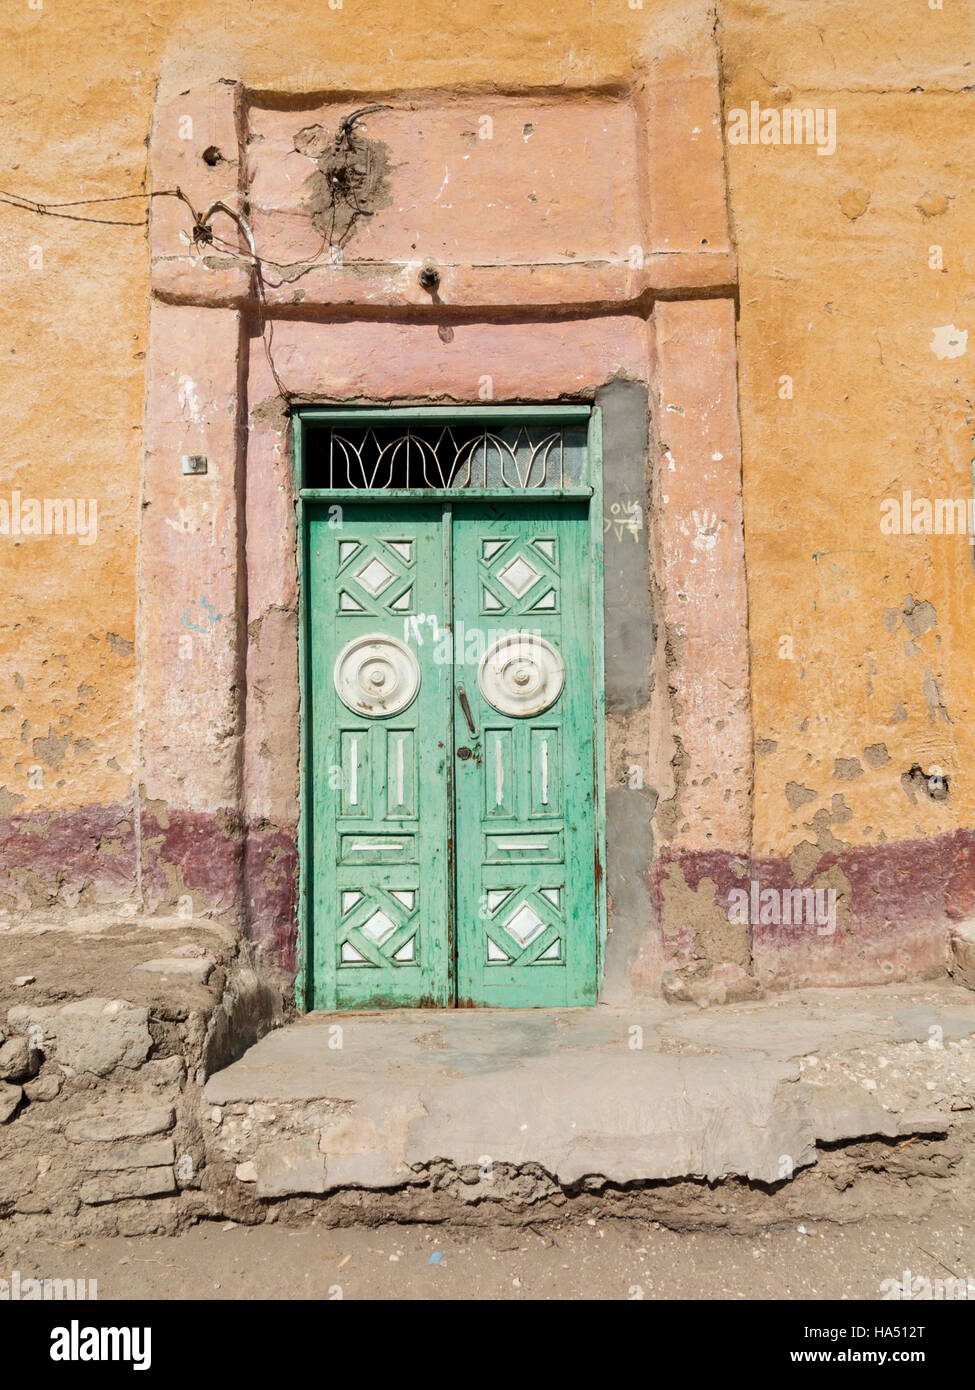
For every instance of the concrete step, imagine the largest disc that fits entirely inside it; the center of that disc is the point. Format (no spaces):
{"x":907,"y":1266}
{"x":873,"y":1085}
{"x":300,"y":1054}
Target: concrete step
{"x":753,"y":1092}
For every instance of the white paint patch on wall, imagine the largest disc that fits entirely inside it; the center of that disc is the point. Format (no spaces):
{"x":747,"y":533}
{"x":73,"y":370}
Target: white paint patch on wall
{"x":189,"y":401}
{"x":949,"y":341}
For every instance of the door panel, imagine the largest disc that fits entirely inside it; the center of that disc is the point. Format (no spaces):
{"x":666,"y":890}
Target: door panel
{"x":527,"y":916}
{"x":409,"y":605}
{"x":380,"y":768}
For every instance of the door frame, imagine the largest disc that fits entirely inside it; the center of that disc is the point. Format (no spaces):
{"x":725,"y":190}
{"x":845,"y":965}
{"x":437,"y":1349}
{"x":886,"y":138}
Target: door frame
{"x":305,"y":498}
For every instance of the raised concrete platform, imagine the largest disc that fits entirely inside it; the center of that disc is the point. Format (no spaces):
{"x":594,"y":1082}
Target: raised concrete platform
{"x":750,"y":1090}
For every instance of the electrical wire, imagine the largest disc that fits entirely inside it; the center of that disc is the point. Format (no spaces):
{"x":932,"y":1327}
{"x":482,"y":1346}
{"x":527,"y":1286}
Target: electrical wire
{"x":203,"y":234}
{"x":18,"y":200}
{"x":343,"y":191}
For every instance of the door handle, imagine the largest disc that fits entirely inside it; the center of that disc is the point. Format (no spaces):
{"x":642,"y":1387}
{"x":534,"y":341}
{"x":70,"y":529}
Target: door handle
{"x":462,"y":696}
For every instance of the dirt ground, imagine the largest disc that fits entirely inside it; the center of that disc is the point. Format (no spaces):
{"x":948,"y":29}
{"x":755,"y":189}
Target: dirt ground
{"x":595,"y":1260}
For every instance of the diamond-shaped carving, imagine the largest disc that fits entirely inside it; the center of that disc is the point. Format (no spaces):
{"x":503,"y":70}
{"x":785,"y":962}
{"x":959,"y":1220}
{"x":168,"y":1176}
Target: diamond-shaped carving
{"x":378,"y":927}
{"x":546,"y":601}
{"x":525,"y":925}
{"x":374,"y":576}
{"x":519,"y":576}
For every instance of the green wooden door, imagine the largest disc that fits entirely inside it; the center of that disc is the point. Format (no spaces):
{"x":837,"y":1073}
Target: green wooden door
{"x":379,"y":746}
{"x":526,"y":897}
{"x":452,"y":704}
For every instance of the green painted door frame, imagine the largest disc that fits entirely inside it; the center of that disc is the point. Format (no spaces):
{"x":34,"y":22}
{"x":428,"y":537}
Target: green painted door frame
{"x":390,"y":795}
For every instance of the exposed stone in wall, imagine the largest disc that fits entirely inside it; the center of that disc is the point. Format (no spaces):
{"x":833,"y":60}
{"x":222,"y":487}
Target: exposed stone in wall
{"x":100,"y":1098}
{"x":351,"y":177}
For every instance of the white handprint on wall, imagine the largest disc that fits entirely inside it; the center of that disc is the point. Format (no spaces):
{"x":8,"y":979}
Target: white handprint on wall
{"x":705,"y":529}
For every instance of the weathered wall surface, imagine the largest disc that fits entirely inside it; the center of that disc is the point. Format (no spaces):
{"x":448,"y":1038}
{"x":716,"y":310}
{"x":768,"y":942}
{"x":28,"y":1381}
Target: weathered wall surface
{"x":861,"y":663}
{"x":861,"y":646}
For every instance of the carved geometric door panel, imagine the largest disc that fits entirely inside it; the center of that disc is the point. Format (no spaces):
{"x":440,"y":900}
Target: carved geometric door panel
{"x":451,"y":705}
{"x":378,"y":743}
{"x":526,"y":916}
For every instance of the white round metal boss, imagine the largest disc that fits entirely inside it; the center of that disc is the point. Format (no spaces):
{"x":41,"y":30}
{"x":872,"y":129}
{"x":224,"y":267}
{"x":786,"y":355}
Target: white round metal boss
{"x":376,"y":675}
{"x":521,"y":675}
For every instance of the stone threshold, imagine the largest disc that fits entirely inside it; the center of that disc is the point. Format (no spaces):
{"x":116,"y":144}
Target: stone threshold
{"x":757,"y":1091}
{"x":149,"y":1080}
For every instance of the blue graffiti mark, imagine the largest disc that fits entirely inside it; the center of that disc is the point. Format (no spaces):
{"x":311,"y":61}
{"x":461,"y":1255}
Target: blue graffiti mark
{"x":211,"y":621}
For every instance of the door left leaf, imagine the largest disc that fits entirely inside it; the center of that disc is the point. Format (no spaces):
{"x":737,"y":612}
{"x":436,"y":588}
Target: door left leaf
{"x":378,"y":747}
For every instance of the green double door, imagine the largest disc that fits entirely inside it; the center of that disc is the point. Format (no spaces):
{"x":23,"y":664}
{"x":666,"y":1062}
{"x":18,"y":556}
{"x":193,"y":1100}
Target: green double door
{"x":452,"y":739}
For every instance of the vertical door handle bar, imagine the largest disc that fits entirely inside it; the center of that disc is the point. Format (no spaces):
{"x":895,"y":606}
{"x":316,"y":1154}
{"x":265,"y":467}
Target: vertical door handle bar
{"x":462,"y":696}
